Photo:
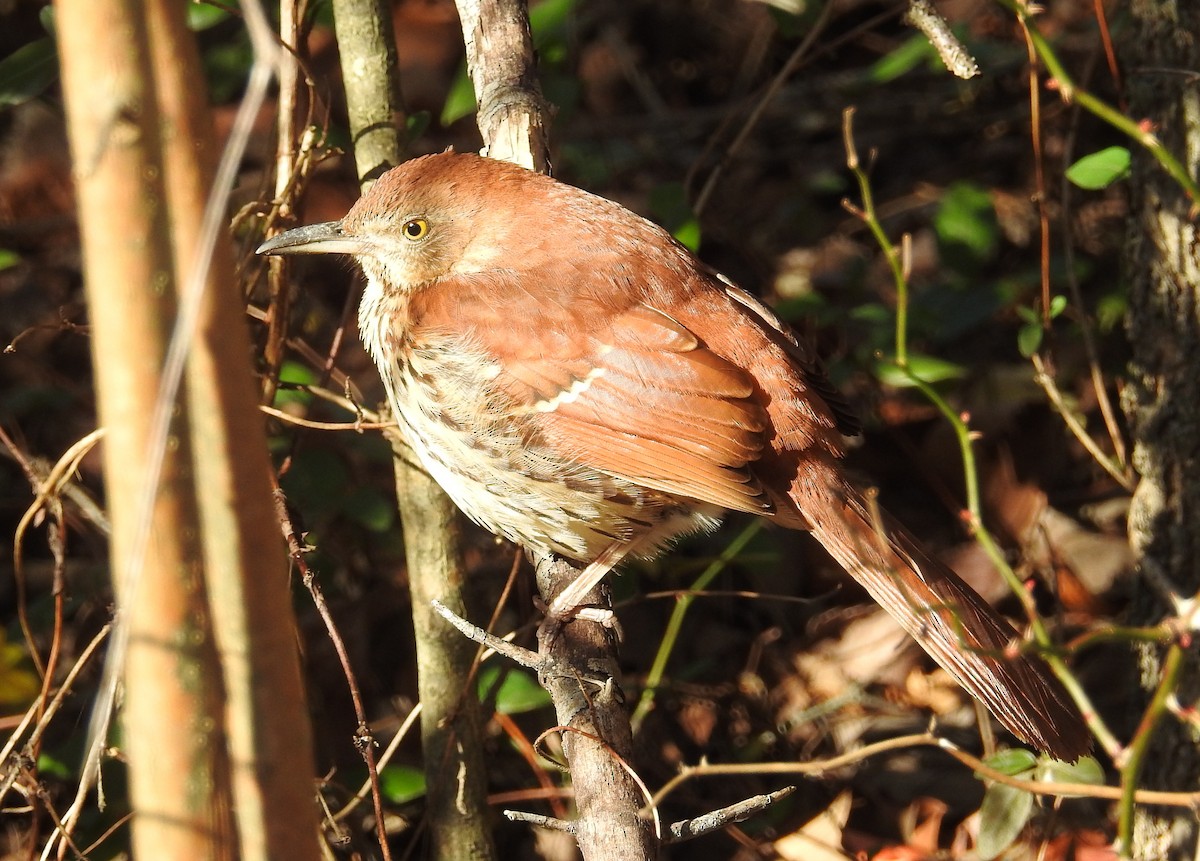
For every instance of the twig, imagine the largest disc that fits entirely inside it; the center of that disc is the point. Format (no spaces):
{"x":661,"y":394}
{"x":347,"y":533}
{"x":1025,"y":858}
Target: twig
{"x":46,"y":490}
{"x":789,"y":68}
{"x":384,"y":759}
{"x":325,"y":426}
{"x":1090,"y":103}
{"x":678,"y":613}
{"x":689,"y":829}
{"x":363,"y":740}
{"x":10,"y":770}
{"x":922,"y":15}
{"x":517,"y":654}
{"x":1042,"y":378}
{"x":1134,"y":756}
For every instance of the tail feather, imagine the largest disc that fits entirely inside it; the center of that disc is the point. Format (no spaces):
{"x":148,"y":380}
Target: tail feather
{"x":947,"y":617}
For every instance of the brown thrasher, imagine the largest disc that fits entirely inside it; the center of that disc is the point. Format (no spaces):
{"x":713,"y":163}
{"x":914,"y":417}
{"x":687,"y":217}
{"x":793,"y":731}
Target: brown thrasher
{"x":579,"y":383}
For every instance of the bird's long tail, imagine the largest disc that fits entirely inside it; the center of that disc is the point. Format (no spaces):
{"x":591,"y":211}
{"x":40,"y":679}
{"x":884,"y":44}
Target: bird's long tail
{"x":947,"y":617}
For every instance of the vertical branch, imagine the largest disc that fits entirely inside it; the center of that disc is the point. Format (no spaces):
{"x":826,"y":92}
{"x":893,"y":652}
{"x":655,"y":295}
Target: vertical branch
{"x":171,"y":715}
{"x":269,"y":738}
{"x":278,"y":283}
{"x":451,"y":727}
{"x":597,"y":738}
{"x":371,"y":79}
{"x":1162,"y":403}
{"x":512,"y":115}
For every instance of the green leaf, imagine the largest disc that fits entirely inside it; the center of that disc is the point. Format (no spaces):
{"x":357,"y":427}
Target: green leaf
{"x":907,"y":57}
{"x":298,"y":373}
{"x":1058,"y":304}
{"x":1110,"y":310}
{"x":1086,"y":770}
{"x":548,"y":24}
{"x":460,"y":101}
{"x":416,"y":123}
{"x":518,"y":692}
{"x":27,"y":71}
{"x":8,"y":259}
{"x":401,"y":784}
{"x":1100,"y":169}
{"x":928,"y":369}
{"x":966,"y":217}
{"x":1003,"y":814}
{"x":688,"y":234}
{"x":1013,"y":761}
{"x":48,"y":765}
{"x":294,"y":374}
{"x":670,"y":207}
{"x":202,"y":16}
{"x":1029,"y":338}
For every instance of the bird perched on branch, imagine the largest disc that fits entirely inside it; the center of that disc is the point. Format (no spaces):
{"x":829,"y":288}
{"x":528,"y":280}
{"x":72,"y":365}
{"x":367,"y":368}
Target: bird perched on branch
{"x":578,"y":382}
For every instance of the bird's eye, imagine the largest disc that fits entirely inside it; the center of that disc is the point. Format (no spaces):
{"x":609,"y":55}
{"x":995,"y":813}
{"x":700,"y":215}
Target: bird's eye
{"x":415,"y":228}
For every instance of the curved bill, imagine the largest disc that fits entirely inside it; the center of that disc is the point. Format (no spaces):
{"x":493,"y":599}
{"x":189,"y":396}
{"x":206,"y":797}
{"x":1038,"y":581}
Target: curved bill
{"x":324,"y":238}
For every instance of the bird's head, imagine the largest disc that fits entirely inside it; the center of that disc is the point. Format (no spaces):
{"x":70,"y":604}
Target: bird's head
{"x":431,"y":217}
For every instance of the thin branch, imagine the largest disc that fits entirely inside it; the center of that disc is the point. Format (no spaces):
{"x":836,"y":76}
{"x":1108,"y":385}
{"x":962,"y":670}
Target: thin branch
{"x":958,"y":60}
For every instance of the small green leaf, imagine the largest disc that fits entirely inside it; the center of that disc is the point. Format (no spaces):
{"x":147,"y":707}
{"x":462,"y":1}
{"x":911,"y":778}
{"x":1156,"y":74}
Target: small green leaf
{"x":1003,"y":814}
{"x":27,"y":71}
{"x":1100,"y":169}
{"x":51,"y":766}
{"x":688,"y":234}
{"x":401,"y":784}
{"x":928,"y":369}
{"x":1058,"y":304}
{"x":202,"y":16}
{"x":548,"y":24}
{"x":1110,"y":310}
{"x":907,"y":57}
{"x":670,"y":207}
{"x":297,"y":372}
{"x":460,"y":101}
{"x":1029,"y":338}
{"x":872,"y":313}
{"x":966,"y":217}
{"x":294,"y":375}
{"x":518,"y":692}
{"x":1086,"y":770}
{"x":1027,"y":314}
{"x":8,"y":259}
{"x":416,"y":123}
{"x":1013,"y":761}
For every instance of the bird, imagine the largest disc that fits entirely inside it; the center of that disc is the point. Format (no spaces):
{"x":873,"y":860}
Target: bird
{"x":580,"y":383}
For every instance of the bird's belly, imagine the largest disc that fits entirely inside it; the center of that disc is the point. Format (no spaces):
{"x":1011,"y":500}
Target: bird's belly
{"x":528,"y":494}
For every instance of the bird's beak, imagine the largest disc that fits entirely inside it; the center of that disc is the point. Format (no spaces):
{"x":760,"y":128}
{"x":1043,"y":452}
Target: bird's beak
{"x":326,"y":238}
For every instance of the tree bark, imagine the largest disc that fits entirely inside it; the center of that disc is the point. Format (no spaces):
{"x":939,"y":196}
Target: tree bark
{"x":1162,"y":400}
{"x":173,"y":739}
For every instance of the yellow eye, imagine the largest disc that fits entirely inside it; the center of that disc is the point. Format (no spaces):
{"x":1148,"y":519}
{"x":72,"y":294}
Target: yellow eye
{"x":415,"y":229}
